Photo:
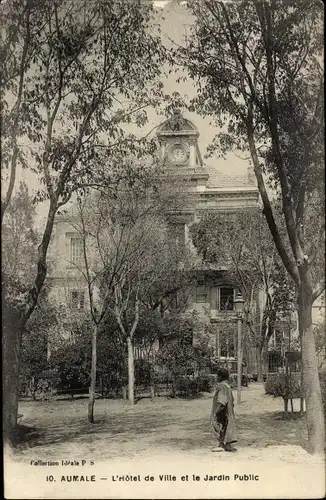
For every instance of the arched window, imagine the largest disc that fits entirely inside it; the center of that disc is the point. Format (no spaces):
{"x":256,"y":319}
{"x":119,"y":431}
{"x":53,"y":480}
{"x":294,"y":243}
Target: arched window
{"x":226,"y":299}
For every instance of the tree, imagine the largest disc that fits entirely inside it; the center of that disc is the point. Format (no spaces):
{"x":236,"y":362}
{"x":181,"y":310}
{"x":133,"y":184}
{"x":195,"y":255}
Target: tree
{"x":320,"y":339}
{"x":259,"y":72}
{"x":144,"y":218}
{"x":84,"y":75}
{"x":173,"y":275}
{"x":121,"y":232}
{"x":111,"y":358}
{"x":19,"y":238}
{"x":242,"y":242}
{"x":178,"y":354}
{"x":18,"y":245}
{"x":110,"y":248}
{"x":21,"y":25}
{"x":71,"y":358}
{"x":36,"y":342}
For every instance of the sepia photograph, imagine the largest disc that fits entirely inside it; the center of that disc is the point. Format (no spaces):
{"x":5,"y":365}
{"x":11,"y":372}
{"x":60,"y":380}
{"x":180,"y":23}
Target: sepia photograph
{"x":163,"y":249}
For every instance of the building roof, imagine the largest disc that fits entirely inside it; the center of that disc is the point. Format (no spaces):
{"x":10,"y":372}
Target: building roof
{"x":176,"y":125}
{"x":218,"y":179}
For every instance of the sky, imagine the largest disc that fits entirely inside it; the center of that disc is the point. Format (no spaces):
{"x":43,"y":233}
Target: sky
{"x":173,"y":19}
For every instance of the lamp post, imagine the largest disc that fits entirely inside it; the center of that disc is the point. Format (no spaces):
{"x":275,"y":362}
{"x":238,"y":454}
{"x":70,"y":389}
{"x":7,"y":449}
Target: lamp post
{"x":238,"y":304}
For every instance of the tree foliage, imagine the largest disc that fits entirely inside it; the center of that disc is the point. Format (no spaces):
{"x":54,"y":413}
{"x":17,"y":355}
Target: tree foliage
{"x":320,"y":336}
{"x":260,"y":77}
{"x":84,"y":78}
{"x":178,"y":354}
{"x":75,"y":73}
{"x":242,"y":243}
{"x":19,"y":237}
{"x":259,"y":74}
{"x":128,"y":260}
{"x":19,"y":251}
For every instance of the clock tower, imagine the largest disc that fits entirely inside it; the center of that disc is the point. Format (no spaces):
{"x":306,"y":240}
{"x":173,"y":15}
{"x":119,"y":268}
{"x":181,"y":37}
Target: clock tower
{"x":178,"y":139}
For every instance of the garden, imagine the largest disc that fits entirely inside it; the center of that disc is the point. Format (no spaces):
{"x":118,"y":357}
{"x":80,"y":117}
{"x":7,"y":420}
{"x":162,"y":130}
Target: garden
{"x":174,"y":387}
{"x":167,"y":363}
{"x":163,"y":425}
{"x":105,"y":315}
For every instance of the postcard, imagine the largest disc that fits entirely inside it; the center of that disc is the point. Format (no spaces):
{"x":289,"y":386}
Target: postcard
{"x":162,"y":249}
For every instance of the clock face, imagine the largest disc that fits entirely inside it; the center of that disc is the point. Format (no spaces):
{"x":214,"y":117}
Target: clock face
{"x":178,"y":154}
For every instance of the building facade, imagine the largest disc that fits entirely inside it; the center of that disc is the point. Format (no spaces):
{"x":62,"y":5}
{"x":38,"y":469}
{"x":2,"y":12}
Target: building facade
{"x":210,"y":190}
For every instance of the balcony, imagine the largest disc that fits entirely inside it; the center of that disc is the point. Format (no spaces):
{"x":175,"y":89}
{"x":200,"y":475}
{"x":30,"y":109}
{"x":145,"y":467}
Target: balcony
{"x":216,"y":315}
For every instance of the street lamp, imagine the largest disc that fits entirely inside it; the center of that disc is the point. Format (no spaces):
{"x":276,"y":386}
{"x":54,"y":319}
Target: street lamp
{"x":238,"y":304}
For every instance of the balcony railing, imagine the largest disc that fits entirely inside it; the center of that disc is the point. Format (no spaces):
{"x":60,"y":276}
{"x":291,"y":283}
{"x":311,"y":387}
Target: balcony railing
{"x":223,"y":314}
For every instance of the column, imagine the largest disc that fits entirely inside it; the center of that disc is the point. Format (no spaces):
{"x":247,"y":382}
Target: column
{"x":218,"y":345}
{"x":163,"y":150}
{"x":192,"y":154}
{"x":213,"y":298}
{"x":235,"y":344}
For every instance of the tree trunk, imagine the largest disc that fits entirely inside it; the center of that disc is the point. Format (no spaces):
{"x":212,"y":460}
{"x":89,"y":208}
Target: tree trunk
{"x":301,"y":406}
{"x":311,"y":384}
{"x":259,"y":356}
{"x":12,"y":339}
{"x":265,"y":359}
{"x":239,"y":360}
{"x":286,"y":406}
{"x":92,"y":386}
{"x":131,"y":371}
{"x":261,"y":353}
{"x":173,"y":386}
{"x":102,"y":388}
{"x":152,"y":381}
{"x":10,"y":385}
{"x":124,"y":392}
{"x":33,"y":388}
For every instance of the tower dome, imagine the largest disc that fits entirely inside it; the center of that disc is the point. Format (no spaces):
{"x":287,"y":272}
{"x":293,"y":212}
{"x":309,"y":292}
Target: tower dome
{"x":177,"y":125}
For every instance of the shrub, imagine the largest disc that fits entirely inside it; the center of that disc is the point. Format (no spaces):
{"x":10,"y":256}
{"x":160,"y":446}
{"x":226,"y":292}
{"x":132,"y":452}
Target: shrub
{"x":143,"y":369}
{"x":212,"y":381}
{"x":279,"y":384}
{"x":72,"y":364}
{"x":161,"y":375}
{"x":234,"y":380}
{"x":191,"y":386}
{"x":276,"y":385}
{"x":187,"y":386}
{"x":34,"y":349}
{"x":207,"y":382}
{"x":182,"y":358}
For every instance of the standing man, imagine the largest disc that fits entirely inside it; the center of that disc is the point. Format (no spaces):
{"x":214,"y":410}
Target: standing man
{"x":222,"y":417}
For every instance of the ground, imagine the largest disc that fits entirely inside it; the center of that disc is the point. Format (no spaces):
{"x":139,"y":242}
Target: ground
{"x":168,"y":430}
{"x":179,"y":425}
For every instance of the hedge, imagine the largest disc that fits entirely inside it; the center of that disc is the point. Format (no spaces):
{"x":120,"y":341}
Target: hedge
{"x":279,"y":384}
{"x":191,"y":386}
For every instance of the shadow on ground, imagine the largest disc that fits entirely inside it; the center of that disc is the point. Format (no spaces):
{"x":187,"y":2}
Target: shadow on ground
{"x":119,"y":427}
{"x":122,"y":430}
{"x":271,"y":429}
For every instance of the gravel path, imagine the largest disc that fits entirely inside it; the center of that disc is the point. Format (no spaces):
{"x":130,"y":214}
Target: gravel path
{"x":161,"y":426}
{"x":163,"y":437}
